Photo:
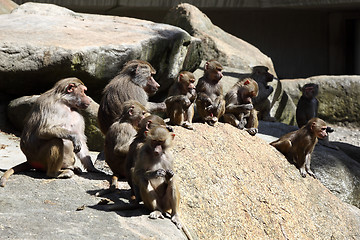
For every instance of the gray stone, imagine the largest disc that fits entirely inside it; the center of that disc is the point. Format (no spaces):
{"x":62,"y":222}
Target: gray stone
{"x":216,"y":43}
{"x":42,"y":43}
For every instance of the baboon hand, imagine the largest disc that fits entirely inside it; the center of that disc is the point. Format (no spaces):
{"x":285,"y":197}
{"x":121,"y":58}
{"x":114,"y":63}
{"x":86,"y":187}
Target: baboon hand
{"x":76,"y":142}
{"x":160,"y":173}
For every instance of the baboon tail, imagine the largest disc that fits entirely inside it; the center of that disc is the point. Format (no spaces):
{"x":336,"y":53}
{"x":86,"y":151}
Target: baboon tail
{"x":18,"y":168}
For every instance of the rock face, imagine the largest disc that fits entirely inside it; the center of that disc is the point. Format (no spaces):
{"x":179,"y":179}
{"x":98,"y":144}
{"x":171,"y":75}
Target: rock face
{"x":18,"y":109}
{"x":6,"y":6}
{"x":338,"y":170}
{"x":42,"y":43}
{"x":339,"y":99}
{"x":235,"y":186}
{"x":216,"y":43}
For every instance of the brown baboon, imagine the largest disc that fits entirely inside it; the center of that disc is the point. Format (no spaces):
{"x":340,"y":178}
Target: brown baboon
{"x":298,"y":145}
{"x":118,"y":139}
{"x":54,"y":131}
{"x":180,"y":101}
{"x":261,"y":102}
{"x":210,"y":103}
{"x":145,"y":124}
{"x":240,"y":111}
{"x":134,"y":82}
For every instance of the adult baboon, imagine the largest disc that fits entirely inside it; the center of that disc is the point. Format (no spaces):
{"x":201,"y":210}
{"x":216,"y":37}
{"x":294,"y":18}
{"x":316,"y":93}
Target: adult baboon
{"x":54,"y":131}
{"x":134,"y":82}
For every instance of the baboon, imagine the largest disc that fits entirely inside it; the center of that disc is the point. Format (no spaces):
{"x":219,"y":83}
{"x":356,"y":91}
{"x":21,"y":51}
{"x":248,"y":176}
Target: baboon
{"x":307,"y":108}
{"x":134,"y":82}
{"x":261,"y":102}
{"x":210,"y":103}
{"x":54,"y":131}
{"x":298,"y":145}
{"x":180,"y":101}
{"x":118,"y":139}
{"x":240,"y":111}
{"x":153,"y":178}
{"x":146,"y":124}
{"x":308,"y":105}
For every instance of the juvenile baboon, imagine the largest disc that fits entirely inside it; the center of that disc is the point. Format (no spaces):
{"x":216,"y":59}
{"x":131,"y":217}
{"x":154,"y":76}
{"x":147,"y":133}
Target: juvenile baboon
{"x":134,"y":82}
{"x":298,"y":145}
{"x":240,"y":111}
{"x":210,"y":103}
{"x":180,"y":101}
{"x":307,"y":108}
{"x":118,"y":139}
{"x":54,"y":131}
{"x":145,"y":124}
{"x":261,"y":102}
{"x":308,"y":105}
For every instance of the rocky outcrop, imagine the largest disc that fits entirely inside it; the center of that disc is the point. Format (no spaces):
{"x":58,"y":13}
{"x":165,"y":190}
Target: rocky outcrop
{"x":235,"y":186}
{"x":216,"y":43}
{"x":19,"y":108}
{"x":6,"y":6}
{"x":42,"y":43}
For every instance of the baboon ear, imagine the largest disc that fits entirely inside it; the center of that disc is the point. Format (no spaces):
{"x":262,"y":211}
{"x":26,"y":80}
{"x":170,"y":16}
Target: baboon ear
{"x":70,"y":88}
{"x":180,"y":77}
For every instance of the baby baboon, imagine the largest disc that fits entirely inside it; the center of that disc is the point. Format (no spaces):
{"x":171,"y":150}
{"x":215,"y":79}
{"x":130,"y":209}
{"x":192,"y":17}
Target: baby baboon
{"x":210,"y":101}
{"x":180,"y":101}
{"x":298,"y":145}
{"x":134,"y":82}
{"x":239,"y":109}
{"x":54,"y":131}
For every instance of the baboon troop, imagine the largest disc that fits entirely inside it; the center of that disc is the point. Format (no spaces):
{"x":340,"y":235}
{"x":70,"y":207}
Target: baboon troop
{"x":138,"y":142}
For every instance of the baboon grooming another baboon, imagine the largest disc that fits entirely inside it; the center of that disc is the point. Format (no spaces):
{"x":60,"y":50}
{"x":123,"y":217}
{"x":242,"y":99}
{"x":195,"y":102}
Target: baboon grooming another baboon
{"x":54,"y":131}
{"x":134,"y":82}
{"x":298,"y":145}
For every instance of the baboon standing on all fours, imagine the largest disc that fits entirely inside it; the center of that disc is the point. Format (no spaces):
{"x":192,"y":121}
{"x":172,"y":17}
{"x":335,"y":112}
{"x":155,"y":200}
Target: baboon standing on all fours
{"x":135,"y":82}
{"x":210,"y":103}
{"x":54,"y":131}
{"x":307,"y":108}
{"x":298,"y":145}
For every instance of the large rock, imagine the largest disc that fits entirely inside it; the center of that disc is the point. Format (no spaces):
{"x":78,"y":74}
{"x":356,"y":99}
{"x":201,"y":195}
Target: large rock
{"x":6,"y":6}
{"x":235,"y":186}
{"x":339,"y":98}
{"x":217,"y":44}
{"x":42,"y":43}
{"x":19,"y":108}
